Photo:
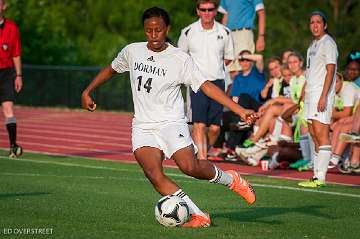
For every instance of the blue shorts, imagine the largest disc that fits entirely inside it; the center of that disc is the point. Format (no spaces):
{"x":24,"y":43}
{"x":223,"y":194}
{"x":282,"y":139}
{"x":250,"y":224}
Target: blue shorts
{"x":206,"y":110}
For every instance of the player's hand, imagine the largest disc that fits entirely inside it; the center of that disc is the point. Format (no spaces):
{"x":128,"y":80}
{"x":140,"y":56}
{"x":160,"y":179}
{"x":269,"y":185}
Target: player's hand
{"x":249,"y":116}
{"x":321,"y":107}
{"x":252,"y":118}
{"x":18,"y":84}
{"x":87,"y":103}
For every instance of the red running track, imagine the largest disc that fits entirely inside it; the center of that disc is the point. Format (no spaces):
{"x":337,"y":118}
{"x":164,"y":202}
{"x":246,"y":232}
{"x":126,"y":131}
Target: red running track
{"x":107,"y":135}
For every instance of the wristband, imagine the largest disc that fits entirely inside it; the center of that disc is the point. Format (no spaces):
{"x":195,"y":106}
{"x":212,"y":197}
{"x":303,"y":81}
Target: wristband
{"x":18,"y":75}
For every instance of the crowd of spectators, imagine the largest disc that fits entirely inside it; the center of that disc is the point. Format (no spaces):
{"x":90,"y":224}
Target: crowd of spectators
{"x":275,"y":91}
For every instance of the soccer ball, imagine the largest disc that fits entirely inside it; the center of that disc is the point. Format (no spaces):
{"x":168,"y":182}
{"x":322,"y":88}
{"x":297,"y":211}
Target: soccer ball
{"x":171,"y":211}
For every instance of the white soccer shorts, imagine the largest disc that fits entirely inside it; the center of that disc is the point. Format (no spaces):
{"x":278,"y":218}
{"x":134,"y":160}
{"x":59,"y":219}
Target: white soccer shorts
{"x":310,"y":108}
{"x":169,"y":138}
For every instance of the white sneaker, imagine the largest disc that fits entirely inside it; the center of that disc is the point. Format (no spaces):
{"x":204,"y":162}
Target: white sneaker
{"x":247,"y":152}
{"x":252,"y":162}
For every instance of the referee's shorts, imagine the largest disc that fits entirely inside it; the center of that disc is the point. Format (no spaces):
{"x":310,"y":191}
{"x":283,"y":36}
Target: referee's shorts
{"x":206,"y":110}
{"x":7,"y":84}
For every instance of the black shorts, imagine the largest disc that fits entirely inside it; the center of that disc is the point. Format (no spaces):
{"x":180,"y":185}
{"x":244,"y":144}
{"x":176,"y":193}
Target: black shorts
{"x":206,"y":110}
{"x":7,"y":84}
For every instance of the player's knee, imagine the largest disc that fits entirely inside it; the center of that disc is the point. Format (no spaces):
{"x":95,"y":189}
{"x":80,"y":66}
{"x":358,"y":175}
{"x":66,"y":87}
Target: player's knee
{"x":214,"y":129}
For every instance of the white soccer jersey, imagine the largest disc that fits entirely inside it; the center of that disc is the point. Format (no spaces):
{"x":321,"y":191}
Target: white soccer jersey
{"x":156,"y":78}
{"x":348,"y":94}
{"x":320,"y":53}
{"x":208,"y":48}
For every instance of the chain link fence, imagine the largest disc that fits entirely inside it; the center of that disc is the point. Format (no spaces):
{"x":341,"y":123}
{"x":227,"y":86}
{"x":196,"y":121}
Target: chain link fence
{"x":61,"y":86}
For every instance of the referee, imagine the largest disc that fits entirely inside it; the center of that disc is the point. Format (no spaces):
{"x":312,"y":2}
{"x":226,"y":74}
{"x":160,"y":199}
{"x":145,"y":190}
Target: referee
{"x":10,"y":75}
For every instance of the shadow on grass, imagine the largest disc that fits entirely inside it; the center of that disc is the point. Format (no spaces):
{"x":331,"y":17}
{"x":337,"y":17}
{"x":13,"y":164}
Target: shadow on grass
{"x":267,"y":215}
{"x":10,"y":195}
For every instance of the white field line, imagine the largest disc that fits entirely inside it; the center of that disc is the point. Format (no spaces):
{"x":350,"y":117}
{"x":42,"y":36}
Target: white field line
{"x":88,"y":133}
{"x":71,"y":140}
{"x":170,"y":174}
{"x":79,"y":149}
{"x":80,"y":127}
{"x":60,"y":134}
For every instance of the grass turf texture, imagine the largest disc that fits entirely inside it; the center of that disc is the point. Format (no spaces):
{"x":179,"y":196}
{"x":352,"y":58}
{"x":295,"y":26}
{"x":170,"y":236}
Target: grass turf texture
{"x":83,"y":198}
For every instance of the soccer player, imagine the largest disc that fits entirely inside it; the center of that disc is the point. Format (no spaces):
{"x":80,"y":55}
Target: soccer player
{"x":10,"y":75}
{"x":320,"y":95}
{"x":159,"y":129}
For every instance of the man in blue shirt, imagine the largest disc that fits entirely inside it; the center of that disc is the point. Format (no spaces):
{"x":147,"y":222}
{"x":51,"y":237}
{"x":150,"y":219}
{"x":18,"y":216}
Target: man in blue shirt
{"x":239,"y":17}
{"x":251,"y":79}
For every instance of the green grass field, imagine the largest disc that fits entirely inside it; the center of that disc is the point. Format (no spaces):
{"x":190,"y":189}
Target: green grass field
{"x":83,"y":198}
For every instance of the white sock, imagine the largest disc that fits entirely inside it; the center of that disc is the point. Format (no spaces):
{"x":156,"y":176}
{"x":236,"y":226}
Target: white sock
{"x":323,"y":161}
{"x":221,"y":177}
{"x":316,"y":165}
{"x":312,"y":149}
{"x":305,"y":147}
{"x":335,"y":159}
{"x":285,"y":137}
{"x":192,"y":207}
{"x":255,"y":128}
{"x":277,"y":129}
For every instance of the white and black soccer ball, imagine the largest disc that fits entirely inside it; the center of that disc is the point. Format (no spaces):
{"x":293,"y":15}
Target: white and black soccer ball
{"x":171,"y":211}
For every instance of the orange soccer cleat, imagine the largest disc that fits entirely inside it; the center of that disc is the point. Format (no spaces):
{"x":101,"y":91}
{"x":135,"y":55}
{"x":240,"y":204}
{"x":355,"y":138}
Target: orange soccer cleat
{"x":242,"y":187}
{"x":197,"y":221}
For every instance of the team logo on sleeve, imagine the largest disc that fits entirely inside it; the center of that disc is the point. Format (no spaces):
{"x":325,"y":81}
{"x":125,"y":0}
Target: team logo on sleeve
{"x":5,"y":47}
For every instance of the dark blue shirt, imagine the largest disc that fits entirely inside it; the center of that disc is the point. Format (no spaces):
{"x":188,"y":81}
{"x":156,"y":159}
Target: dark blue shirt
{"x":252,"y":84}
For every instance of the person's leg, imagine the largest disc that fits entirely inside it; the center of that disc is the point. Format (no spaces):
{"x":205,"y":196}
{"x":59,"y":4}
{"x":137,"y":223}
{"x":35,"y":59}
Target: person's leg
{"x":150,"y":159}
{"x":215,"y":117}
{"x":203,"y":169}
{"x":339,"y":146}
{"x":10,"y":123}
{"x":213,"y":133}
{"x":270,"y":115}
{"x":322,"y":131}
{"x":199,"y":137}
{"x":355,"y":158}
{"x":199,"y":104}
{"x":356,"y":123}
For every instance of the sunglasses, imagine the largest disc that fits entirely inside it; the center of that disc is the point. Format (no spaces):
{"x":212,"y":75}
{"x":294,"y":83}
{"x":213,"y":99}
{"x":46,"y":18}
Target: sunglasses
{"x":206,"y":9}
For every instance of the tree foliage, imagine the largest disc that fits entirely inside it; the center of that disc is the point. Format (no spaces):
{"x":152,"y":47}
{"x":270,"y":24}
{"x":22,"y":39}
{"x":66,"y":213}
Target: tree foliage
{"x":91,"y":32}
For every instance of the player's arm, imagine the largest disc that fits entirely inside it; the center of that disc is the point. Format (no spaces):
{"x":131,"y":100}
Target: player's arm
{"x":265,"y":91}
{"x":218,"y":95}
{"x":260,"y":42}
{"x":258,"y":59}
{"x":18,"y":79}
{"x":330,"y":71}
{"x":224,"y":19}
{"x":104,"y":75}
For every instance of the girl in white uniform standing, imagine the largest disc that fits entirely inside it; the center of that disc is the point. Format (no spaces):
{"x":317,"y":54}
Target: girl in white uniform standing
{"x":320,"y":94}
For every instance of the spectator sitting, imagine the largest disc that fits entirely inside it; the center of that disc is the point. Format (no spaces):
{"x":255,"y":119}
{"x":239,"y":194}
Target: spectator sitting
{"x":250,"y":81}
{"x":273,"y":86}
{"x":246,"y":89}
{"x":285,"y":56}
{"x":270,"y":112}
{"x":347,"y":129}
